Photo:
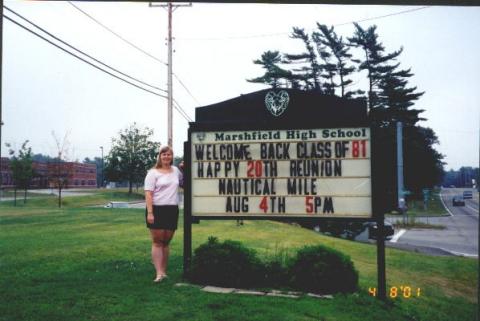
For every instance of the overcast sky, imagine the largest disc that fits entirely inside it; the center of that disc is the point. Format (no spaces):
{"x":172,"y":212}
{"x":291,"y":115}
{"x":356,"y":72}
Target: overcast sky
{"x":45,"y":89}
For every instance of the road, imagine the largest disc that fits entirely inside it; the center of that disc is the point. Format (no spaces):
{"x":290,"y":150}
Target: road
{"x":460,"y":237}
{"x":50,"y":191}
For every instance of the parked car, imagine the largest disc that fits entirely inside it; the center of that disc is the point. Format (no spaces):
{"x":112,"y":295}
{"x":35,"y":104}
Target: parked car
{"x":373,"y":230}
{"x":458,"y":200}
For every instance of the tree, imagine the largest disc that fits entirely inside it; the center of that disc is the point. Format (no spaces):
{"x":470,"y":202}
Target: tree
{"x":395,"y":99}
{"x":310,"y":72}
{"x":306,"y":71}
{"x":22,"y":170}
{"x":390,"y":101}
{"x":273,"y":73}
{"x":423,"y":163}
{"x":338,"y":49}
{"x":131,"y":155}
{"x":42,"y":158}
{"x":58,"y":169}
{"x":390,"y":98}
{"x":376,"y":62}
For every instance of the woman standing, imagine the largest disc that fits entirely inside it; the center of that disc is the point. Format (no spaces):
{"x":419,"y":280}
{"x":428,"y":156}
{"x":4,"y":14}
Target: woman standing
{"x":161,"y":214}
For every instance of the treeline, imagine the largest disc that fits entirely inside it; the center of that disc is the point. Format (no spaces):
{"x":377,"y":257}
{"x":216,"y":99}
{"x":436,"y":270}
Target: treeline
{"x":21,"y":164}
{"x":464,"y":177}
{"x":331,"y":64}
{"x":131,"y":155}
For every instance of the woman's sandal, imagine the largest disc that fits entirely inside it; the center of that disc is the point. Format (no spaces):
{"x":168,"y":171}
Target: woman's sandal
{"x":160,"y":278}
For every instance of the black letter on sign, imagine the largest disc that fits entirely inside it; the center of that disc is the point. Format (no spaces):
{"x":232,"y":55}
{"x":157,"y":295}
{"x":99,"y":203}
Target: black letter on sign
{"x":228,"y":208}
{"x":328,"y":205}
{"x":199,"y":151}
{"x":221,"y":186}
{"x":200,"y":169}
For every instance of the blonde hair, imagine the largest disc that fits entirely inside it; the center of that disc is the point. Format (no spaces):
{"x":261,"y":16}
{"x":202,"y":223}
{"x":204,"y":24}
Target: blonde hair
{"x":163,"y":149}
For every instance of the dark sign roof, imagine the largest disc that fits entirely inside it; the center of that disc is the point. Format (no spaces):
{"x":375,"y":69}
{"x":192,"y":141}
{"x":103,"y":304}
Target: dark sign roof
{"x":283,"y":107}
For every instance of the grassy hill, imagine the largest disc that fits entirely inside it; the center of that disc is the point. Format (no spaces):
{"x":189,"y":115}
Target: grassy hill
{"x":82,"y":263}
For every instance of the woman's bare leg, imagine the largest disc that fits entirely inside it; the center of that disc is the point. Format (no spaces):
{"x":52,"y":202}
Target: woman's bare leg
{"x":157,"y":251}
{"x":167,"y":237}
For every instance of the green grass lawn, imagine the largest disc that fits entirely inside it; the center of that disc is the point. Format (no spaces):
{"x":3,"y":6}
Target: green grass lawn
{"x":416,"y":210}
{"x":83,"y":263}
{"x":94,"y":197}
{"x":21,"y":193}
{"x":434,"y":206}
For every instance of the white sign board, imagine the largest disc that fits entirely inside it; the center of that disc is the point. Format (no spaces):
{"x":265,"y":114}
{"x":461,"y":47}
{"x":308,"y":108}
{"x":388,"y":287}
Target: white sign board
{"x":282,"y":173}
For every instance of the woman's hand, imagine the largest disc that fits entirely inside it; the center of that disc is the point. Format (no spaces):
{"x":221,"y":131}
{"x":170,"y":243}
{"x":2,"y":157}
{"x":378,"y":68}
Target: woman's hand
{"x":150,"y":218}
{"x":149,"y":206}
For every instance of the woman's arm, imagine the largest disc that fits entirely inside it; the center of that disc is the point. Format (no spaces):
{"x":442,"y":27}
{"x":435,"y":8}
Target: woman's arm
{"x":181,"y":176}
{"x":149,"y":203}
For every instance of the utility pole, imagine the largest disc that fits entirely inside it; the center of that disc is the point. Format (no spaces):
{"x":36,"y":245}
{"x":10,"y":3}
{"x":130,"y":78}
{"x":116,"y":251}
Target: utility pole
{"x":101,"y":183}
{"x":400,"y":187}
{"x":1,"y":120}
{"x":170,"y":8}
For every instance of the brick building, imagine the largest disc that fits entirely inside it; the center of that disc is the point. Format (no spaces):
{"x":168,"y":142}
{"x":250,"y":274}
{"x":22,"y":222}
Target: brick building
{"x":6,"y":173}
{"x":78,"y":175}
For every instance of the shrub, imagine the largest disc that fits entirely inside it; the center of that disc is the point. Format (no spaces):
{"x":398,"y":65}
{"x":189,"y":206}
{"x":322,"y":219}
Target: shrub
{"x":320,"y":269}
{"x":228,"y":264}
{"x":275,"y":274}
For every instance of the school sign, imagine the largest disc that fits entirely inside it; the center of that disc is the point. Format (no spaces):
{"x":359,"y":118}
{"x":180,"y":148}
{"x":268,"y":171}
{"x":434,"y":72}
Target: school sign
{"x":282,"y":154}
{"x":294,"y":172}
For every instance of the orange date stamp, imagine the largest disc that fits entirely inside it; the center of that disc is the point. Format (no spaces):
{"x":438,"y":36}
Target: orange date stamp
{"x":403,"y":291}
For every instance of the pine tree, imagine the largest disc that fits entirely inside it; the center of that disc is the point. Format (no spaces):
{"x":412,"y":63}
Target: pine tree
{"x":273,"y":72}
{"x":390,"y":99}
{"x":310,"y":71}
{"x":376,"y":62}
{"x":423,"y":164}
{"x":395,"y":99}
{"x":339,"y":50}
{"x":329,"y":70}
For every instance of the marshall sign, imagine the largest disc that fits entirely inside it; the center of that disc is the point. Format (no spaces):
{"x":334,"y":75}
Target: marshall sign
{"x":307,"y":173}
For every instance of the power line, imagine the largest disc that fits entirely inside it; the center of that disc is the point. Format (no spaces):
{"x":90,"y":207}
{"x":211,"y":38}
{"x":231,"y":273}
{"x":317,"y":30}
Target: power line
{"x":80,"y":51}
{"x":185,"y":87}
{"x":134,"y":46}
{"x":117,"y":35}
{"x":384,"y":16}
{"x":288,"y":33}
{"x":239,"y":37}
{"x":179,"y":109}
{"x":80,"y":58}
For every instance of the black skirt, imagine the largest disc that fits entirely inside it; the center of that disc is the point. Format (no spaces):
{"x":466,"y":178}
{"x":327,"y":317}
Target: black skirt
{"x":165,"y":217}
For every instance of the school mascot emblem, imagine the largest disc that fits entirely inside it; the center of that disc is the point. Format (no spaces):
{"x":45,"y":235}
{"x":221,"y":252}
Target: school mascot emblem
{"x":277,"y":102}
{"x":201,"y":136}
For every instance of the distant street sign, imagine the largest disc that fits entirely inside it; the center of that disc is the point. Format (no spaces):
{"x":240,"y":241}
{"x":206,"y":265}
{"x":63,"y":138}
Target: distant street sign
{"x":467,"y":195}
